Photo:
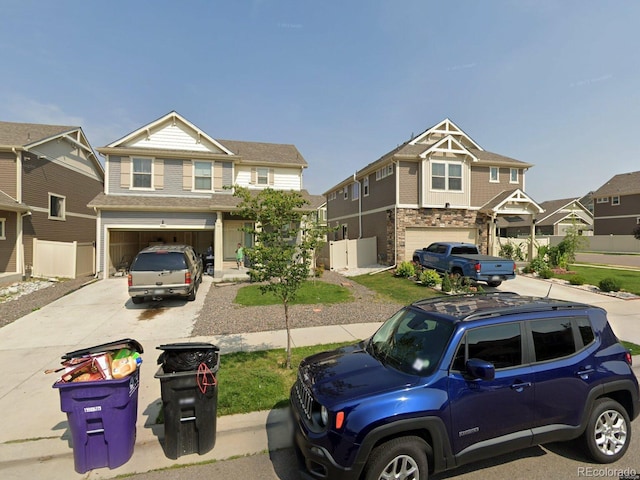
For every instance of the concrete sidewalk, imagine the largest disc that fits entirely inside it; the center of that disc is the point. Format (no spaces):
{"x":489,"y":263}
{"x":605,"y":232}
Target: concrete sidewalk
{"x":35,"y":439}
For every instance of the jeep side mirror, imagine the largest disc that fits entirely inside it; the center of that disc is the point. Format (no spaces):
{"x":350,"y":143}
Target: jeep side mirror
{"x":481,"y":369}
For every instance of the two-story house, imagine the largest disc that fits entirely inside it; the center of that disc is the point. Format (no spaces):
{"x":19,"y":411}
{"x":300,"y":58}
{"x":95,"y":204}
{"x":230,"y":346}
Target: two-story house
{"x":439,"y":186}
{"x":616,"y":207}
{"x":48,"y":174}
{"x":171,"y":182}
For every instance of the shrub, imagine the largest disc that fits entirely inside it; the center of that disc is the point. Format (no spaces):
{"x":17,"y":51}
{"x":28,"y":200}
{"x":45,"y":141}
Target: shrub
{"x":406,"y":270}
{"x":609,"y":284}
{"x":577,"y":280}
{"x":546,"y":273}
{"x":430,"y":278}
{"x":447,"y":283}
{"x":512,"y":251}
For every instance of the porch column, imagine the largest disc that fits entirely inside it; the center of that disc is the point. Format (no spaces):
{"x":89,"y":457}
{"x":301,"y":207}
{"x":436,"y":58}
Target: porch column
{"x":532,"y":238}
{"x":218,"y":247}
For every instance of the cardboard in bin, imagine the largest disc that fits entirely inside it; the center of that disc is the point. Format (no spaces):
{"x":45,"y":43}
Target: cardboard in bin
{"x":188,"y":356}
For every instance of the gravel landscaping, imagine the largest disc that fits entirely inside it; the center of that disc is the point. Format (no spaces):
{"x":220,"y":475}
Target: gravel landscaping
{"x":219,"y":315}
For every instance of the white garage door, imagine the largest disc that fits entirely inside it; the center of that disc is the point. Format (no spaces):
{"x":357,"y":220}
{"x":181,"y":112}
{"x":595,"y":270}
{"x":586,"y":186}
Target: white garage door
{"x":420,"y":237}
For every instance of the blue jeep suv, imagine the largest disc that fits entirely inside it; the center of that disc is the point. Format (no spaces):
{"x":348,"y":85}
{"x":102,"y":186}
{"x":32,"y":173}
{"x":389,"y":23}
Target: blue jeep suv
{"x":448,"y":381}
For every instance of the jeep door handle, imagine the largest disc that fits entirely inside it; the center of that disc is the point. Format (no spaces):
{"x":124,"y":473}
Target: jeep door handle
{"x":518,"y":387}
{"x":584,"y":373}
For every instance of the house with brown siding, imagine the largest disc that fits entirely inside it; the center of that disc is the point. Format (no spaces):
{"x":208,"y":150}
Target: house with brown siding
{"x":616,"y":205}
{"x":171,"y":182}
{"x":48,"y":175}
{"x":439,"y":186}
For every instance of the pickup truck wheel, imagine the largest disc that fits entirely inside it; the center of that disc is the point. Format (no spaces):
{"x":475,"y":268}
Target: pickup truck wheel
{"x":608,"y":432}
{"x":494,"y":284}
{"x":403,"y":458}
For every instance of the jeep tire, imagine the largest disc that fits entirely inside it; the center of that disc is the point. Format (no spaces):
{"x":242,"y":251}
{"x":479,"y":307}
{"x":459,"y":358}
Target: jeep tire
{"x":401,"y":458}
{"x":608,"y":432}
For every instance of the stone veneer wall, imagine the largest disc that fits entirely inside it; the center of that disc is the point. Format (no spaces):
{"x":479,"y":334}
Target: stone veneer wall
{"x":432,"y":217}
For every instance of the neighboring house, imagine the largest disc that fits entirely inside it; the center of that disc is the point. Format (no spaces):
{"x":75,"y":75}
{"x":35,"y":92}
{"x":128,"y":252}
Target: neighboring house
{"x":170,"y":182}
{"x":48,"y":175}
{"x":617,"y":205}
{"x":558,"y":216}
{"x":440,"y":185}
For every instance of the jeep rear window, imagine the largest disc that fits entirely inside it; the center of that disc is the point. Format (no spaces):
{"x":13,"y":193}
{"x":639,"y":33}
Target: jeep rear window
{"x":411,"y":341}
{"x":159,"y":261}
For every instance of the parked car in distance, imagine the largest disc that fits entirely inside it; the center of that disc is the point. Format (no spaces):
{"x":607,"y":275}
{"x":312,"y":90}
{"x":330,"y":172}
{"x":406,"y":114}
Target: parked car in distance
{"x":465,"y":260}
{"x":165,"y":270}
{"x":451,"y":380}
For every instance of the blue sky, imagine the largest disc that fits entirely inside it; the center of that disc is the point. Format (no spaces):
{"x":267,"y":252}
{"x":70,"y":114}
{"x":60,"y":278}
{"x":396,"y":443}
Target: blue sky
{"x":553,"y":83}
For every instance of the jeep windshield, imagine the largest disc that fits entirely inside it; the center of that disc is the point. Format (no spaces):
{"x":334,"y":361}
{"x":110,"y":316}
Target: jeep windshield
{"x":411,"y":341}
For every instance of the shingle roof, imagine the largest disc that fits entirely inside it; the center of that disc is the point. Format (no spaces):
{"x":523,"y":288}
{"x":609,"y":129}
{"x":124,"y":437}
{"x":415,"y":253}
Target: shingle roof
{"x":622,"y":184}
{"x":24,"y":134}
{"x":216,"y":201}
{"x":9,"y":203}
{"x":257,"y":152}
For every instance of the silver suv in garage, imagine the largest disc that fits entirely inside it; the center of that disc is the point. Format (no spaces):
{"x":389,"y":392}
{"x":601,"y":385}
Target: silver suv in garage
{"x":165,"y":270}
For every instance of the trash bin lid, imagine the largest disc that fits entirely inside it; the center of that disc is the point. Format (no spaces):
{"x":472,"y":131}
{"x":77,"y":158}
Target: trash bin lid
{"x":188,"y":346}
{"x":117,"y":345}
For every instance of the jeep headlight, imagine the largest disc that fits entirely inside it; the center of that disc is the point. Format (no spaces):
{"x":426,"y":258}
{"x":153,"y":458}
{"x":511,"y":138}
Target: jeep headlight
{"x":324,"y":416}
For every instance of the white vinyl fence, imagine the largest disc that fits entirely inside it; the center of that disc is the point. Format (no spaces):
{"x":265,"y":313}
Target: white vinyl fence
{"x":63,"y":259}
{"x":346,"y":254}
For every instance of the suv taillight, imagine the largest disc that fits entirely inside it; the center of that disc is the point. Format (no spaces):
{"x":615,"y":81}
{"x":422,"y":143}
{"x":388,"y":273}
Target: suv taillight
{"x":129,"y":280}
{"x":628,"y":358}
{"x":187,"y":278}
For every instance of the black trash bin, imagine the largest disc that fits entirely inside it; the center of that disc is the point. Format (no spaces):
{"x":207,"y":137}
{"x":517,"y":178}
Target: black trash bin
{"x":189,"y":389}
{"x":101,"y":414}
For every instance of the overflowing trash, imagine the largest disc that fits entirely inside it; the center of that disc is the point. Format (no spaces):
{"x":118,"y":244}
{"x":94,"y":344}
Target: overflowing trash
{"x":110,"y":361}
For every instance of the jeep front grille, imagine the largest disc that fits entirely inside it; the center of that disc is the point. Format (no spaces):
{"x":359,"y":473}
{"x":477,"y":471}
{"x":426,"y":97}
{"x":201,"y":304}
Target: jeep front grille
{"x":303,"y":397}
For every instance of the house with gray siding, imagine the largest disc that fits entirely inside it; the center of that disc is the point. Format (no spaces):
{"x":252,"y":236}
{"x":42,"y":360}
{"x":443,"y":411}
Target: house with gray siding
{"x":616,"y":207}
{"x":48,"y":175}
{"x":171,"y":182}
{"x":439,"y":186}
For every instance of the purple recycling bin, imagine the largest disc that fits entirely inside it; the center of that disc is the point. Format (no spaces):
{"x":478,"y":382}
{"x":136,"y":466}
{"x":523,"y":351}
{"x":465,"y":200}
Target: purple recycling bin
{"x":102,"y":419}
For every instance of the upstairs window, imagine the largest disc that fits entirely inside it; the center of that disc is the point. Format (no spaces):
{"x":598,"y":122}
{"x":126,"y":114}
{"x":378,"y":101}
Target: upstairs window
{"x":332,"y":195}
{"x":602,"y":200}
{"x":365,"y":186}
{"x":494,"y":174}
{"x":3,"y":222}
{"x":262,"y":176}
{"x":355,"y":189}
{"x":446,"y":176}
{"x":142,"y":172}
{"x":615,"y":200}
{"x":56,"y":207}
{"x":202,"y":174}
{"x":513,"y":175}
{"x":384,"y":172}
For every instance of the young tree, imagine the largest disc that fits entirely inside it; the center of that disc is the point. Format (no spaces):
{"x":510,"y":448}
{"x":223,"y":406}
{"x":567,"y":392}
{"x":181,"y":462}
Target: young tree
{"x":284,"y":243}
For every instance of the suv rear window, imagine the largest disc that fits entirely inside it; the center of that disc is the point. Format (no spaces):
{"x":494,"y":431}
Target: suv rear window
{"x":159,"y":261}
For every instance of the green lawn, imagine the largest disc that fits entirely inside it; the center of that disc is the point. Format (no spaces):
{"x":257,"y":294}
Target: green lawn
{"x":310,"y":292}
{"x":395,"y":289}
{"x":629,"y":279}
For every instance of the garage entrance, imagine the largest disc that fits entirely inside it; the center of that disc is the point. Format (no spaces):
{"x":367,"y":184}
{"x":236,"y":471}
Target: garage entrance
{"x":420,"y":237}
{"x":124,"y":245}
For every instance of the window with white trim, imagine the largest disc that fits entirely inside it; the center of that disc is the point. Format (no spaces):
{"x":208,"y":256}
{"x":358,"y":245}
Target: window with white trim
{"x":615,"y":200}
{"x":262,"y":177}
{"x":602,"y":200}
{"x":56,"y":206}
{"x":638,"y":221}
{"x":494,"y":174}
{"x":446,"y":176}
{"x":365,"y":186}
{"x":141,"y":172}
{"x":513,"y":175}
{"x":355,"y":191}
{"x":345,"y":231}
{"x":384,"y":172}
{"x":202,"y":175}
{"x":345,"y":192}
{"x":332,"y":195}
{"x":3,"y":226}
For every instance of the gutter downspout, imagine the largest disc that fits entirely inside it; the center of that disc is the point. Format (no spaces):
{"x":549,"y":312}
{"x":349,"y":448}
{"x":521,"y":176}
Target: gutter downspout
{"x":19,"y":218}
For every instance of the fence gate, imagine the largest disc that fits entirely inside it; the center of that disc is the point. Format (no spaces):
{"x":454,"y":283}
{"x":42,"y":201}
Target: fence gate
{"x":346,"y":254}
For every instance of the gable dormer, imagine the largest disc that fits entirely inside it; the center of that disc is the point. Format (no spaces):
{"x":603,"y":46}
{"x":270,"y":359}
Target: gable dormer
{"x":445,"y":128}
